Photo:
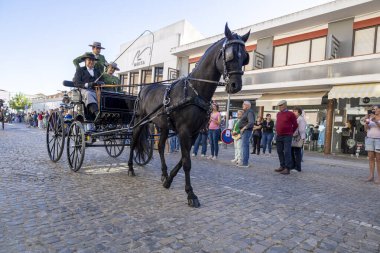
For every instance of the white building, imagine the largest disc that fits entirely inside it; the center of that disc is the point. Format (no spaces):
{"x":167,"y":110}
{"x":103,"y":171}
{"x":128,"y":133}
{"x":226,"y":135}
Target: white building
{"x":324,"y":59}
{"x":149,"y":59}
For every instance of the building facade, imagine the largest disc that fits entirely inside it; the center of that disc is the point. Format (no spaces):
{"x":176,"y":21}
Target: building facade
{"x":324,"y":59}
{"x":149,"y":59}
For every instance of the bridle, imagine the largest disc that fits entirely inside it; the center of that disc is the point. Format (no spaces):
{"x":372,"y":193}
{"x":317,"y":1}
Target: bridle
{"x":226,"y":56}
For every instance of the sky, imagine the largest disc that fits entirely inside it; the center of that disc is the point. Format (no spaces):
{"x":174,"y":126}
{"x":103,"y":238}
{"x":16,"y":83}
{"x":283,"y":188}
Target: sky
{"x":40,"y":38}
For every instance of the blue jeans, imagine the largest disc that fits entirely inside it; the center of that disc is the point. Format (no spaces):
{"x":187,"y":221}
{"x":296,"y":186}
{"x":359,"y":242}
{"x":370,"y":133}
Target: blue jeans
{"x":267,"y":141}
{"x":201,"y":140}
{"x":214,"y":136}
{"x":174,"y":143}
{"x":284,"y":151}
{"x":245,"y":146}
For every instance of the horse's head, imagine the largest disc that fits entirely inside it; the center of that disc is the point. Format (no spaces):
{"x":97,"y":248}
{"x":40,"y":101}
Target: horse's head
{"x":232,"y":58}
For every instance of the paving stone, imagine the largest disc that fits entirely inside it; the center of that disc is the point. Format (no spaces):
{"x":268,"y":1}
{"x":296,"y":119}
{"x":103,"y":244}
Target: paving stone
{"x":45,"y":207}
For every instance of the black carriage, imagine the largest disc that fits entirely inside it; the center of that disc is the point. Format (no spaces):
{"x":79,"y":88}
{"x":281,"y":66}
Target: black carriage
{"x":110,"y":129}
{"x":2,"y":114}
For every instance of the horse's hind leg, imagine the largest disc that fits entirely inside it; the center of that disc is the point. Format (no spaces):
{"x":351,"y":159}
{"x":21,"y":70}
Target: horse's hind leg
{"x":135,"y":136}
{"x":161,"y":151}
{"x":168,"y":181}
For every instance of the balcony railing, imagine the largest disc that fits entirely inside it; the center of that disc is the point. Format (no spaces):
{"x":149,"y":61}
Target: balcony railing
{"x":351,"y":66}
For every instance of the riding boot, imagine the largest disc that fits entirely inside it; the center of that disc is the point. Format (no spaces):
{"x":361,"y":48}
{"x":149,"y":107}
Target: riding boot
{"x":93,"y":110}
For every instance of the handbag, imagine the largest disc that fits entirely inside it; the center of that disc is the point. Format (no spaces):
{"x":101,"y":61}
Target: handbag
{"x":297,"y":141}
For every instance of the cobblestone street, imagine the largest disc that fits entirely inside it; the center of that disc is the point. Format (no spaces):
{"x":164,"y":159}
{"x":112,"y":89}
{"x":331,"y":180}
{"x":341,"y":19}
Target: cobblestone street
{"x":45,"y":207}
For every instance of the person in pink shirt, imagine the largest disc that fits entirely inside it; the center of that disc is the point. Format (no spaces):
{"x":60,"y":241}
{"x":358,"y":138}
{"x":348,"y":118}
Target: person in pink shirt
{"x":214,"y":131}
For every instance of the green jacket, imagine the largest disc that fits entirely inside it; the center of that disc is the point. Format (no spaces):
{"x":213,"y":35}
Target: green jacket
{"x":108,"y":79}
{"x":99,"y":65}
{"x":236,"y":126}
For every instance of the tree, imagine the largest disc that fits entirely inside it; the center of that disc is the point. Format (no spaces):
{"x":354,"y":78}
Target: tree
{"x":19,"y":101}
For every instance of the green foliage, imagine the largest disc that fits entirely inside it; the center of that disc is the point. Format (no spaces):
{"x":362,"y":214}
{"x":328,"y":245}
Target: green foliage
{"x":19,"y":101}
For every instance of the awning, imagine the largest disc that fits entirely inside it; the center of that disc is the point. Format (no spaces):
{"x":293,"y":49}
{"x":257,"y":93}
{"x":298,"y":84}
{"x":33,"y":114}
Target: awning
{"x":293,"y":99}
{"x":236,"y":96}
{"x":355,"y":91}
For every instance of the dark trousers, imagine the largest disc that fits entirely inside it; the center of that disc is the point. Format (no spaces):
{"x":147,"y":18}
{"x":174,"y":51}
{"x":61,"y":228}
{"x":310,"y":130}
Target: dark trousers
{"x":256,"y":144}
{"x":284,"y":151}
{"x":201,"y":140}
{"x":297,"y":157}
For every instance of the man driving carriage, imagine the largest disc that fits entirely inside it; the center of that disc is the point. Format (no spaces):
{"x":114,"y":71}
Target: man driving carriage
{"x":86,"y":78}
{"x":101,"y":60}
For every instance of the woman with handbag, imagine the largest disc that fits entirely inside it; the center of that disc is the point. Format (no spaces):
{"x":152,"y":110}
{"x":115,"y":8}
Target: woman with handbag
{"x":299,"y":137}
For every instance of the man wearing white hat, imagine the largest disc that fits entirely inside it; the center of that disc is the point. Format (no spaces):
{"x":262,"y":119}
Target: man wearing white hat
{"x":100,"y":59}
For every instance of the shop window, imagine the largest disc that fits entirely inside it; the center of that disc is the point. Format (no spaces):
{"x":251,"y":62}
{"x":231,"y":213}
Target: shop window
{"x":364,"y":41}
{"x":124,"y":81}
{"x":146,"y":76}
{"x":158,"y":74}
{"x":192,"y":66}
{"x":318,"y":49}
{"x":280,"y":56}
{"x":134,"y":80}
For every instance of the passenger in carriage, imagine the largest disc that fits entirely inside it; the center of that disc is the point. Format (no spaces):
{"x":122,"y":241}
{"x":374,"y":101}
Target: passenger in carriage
{"x":109,"y":78}
{"x":101,"y":60}
{"x":86,"y":78}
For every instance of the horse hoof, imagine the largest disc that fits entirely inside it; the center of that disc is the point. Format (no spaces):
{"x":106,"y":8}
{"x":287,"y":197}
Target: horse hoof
{"x":193,"y":203}
{"x":163,"y":178}
{"x":167,"y":184}
{"x":131,"y":173}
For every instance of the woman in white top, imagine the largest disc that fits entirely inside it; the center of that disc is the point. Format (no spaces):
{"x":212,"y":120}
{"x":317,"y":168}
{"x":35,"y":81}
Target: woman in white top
{"x":372,"y":143}
{"x":300,"y":135}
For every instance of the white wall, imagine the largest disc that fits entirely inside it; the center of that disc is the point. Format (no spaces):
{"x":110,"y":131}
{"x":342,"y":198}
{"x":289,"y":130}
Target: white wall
{"x":141,"y":56}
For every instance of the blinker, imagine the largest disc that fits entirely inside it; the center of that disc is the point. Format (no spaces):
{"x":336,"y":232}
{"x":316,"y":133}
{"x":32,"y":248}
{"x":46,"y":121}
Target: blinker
{"x":229,"y":54}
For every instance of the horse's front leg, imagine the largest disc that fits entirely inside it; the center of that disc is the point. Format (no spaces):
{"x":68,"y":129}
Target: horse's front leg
{"x":186,"y":143}
{"x":161,"y":151}
{"x":168,"y":181}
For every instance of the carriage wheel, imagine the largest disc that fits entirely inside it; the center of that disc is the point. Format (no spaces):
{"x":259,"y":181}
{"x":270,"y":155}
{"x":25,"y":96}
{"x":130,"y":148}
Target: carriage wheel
{"x":75,"y":146}
{"x":55,"y":136}
{"x":112,"y":145}
{"x":146,"y":156}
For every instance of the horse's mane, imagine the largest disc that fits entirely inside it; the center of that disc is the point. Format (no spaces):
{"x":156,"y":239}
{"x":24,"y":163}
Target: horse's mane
{"x":205,"y":54}
{"x":235,"y":35}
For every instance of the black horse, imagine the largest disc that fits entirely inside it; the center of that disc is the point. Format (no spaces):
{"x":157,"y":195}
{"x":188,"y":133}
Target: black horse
{"x":184,"y":106}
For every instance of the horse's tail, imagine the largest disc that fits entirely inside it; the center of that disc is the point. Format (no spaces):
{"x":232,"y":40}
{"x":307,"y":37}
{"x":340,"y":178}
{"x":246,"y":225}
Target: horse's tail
{"x":143,"y":142}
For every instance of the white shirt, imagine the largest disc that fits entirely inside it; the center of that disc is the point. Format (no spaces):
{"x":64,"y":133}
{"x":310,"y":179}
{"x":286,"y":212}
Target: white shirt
{"x":91,"y":71}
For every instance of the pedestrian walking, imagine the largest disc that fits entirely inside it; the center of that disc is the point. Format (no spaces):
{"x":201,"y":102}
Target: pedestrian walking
{"x":236,"y":135}
{"x":246,"y":127}
{"x":298,"y":140}
{"x":372,"y":143}
{"x":267,"y":138}
{"x":214,"y":131}
{"x":285,"y":126}
{"x":257,"y":134}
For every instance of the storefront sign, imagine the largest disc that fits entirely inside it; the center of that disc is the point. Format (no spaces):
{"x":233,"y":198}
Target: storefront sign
{"x":369,"y":101}
{"x":142,"y":57}
{"x":338,"y":118}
